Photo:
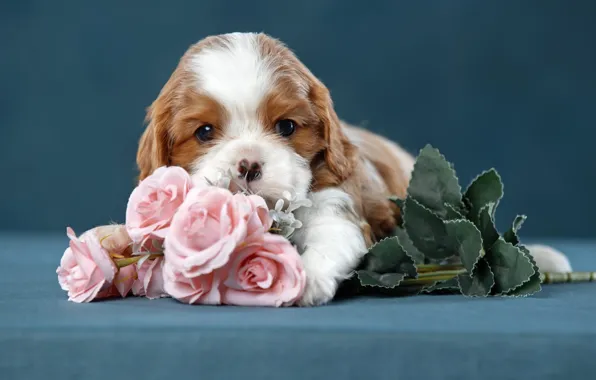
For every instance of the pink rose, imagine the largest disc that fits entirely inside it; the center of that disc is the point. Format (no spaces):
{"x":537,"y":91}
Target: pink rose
{"x":150,"y":281}
{"x":209,"y":226}
{"x":153,"y":203}
{"x":256,"y":214}
{"x":115,"y":240}
{"x":267,"y":274}
{"x":86,"y":269}
{"x":197,"y":290}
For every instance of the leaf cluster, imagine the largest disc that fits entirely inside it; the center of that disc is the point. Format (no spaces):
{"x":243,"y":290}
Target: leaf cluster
{"x":445,"y":227}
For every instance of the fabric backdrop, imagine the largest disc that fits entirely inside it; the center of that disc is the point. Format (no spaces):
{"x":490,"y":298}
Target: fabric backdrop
{"x":510,"y":85}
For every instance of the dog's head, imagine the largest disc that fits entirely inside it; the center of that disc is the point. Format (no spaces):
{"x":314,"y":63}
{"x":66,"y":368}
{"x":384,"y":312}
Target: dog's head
{"x":243,"y":103}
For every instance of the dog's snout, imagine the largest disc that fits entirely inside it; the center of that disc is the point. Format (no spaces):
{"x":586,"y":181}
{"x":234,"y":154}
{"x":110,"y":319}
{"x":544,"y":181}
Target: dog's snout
{"x":251,"y":171}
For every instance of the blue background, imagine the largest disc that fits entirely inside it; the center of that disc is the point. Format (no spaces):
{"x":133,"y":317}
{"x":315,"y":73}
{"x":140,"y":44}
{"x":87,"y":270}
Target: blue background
{"x":510,"y":85}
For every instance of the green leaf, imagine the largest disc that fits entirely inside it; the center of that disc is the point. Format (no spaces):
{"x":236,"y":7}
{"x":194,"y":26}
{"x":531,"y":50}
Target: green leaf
{"x":426,"y":230}
{"x":484,"y":189}
{"x":452,"y":213}
{"x":450,"y":285}
{"x":510,"y":235}
{"x":386,"y":280}
{"x":384,"y":256}
{"x":434,"y":182}
{"x":533,"y":285}
{"x":408,"y":246}
{"x":466,"y":242}
{"x":510,"y":265}
{"x":480,"y":283}
{"x":486,"y":225}
{"x":388,"y":256}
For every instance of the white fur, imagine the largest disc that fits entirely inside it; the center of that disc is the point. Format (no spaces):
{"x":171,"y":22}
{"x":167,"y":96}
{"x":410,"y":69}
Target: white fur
{"x":332,"y":245}
{"x":239,"y":77}
{"x":374,"y":175}
{"x":549,"y":259}
{"x":405,"y":159}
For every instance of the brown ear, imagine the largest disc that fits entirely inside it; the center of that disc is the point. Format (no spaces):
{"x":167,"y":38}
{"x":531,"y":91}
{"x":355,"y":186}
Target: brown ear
{"x":153,"y":149}
{"x":339,"y":151}
{"x":155,"y":143}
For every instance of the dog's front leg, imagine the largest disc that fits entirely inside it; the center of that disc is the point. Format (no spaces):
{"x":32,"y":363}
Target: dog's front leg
{"x":331,"y":242}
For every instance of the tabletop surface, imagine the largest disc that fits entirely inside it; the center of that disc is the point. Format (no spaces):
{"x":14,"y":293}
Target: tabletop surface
{"x":36,"y":320}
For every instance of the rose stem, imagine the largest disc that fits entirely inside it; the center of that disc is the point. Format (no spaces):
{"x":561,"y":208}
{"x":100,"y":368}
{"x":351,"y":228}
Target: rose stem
{"x":559,"y":278}
{"x":431,"y":272}
{"x":424,"y":281}
{"x":425,"y":268}
{"x":442,"y":273}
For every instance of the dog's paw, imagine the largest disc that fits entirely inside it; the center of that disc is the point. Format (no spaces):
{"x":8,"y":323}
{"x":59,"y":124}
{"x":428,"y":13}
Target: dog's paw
{"x":320,"y":287}
{"x":317,"y":292}
{"x":549,"y":259}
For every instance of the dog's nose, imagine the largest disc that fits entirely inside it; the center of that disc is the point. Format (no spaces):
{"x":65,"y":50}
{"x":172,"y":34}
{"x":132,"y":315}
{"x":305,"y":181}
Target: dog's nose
{"x":251,"y":171}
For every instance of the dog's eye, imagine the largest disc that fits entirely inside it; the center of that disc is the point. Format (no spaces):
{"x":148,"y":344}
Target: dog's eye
{"x":204,"y":132}
{"x":285,"y":127}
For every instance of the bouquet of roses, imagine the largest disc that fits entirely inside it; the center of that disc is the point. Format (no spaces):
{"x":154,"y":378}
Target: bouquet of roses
{"x":199,"y":245}
{"x":206,"y":245}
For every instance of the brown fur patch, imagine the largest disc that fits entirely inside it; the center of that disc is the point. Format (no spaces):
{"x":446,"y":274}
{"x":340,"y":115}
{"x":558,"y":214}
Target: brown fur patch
{"x":285,"y":102}
{"x":173,"y":120}
{"x":297,"y":95}
{"x":165,"y":141}
{"x":196,"y":110}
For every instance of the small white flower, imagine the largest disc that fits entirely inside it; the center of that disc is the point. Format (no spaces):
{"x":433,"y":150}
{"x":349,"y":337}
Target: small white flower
{"x":301,"y":203}
{"x":285,"y":221}
{"x":279,"y":204}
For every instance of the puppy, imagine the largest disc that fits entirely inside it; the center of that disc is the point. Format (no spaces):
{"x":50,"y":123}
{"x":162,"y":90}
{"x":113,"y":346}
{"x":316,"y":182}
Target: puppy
{"x":244,"y":102}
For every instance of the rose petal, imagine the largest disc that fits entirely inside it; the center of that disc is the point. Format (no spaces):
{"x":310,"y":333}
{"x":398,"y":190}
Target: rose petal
{"x":203,"y":289}
{"x":154,"y":283}
{"x":86,"y":269}
{"x":86,"y":296}
{"x":101,"y":257}
{"x":206,"y":230}
{"x":70,"y":233}
{"x":282,"y":283}
{"x":153,"y":203}
{"x":124,"y":279}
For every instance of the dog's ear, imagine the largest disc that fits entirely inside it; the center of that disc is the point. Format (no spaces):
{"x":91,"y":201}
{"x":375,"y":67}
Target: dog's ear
{"x":340,"y":154}
{"x":153,"y":149}
{"x":155,"y":143}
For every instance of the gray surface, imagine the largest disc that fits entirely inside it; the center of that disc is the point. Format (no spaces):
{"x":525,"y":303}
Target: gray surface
{"x":43,"y":336}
